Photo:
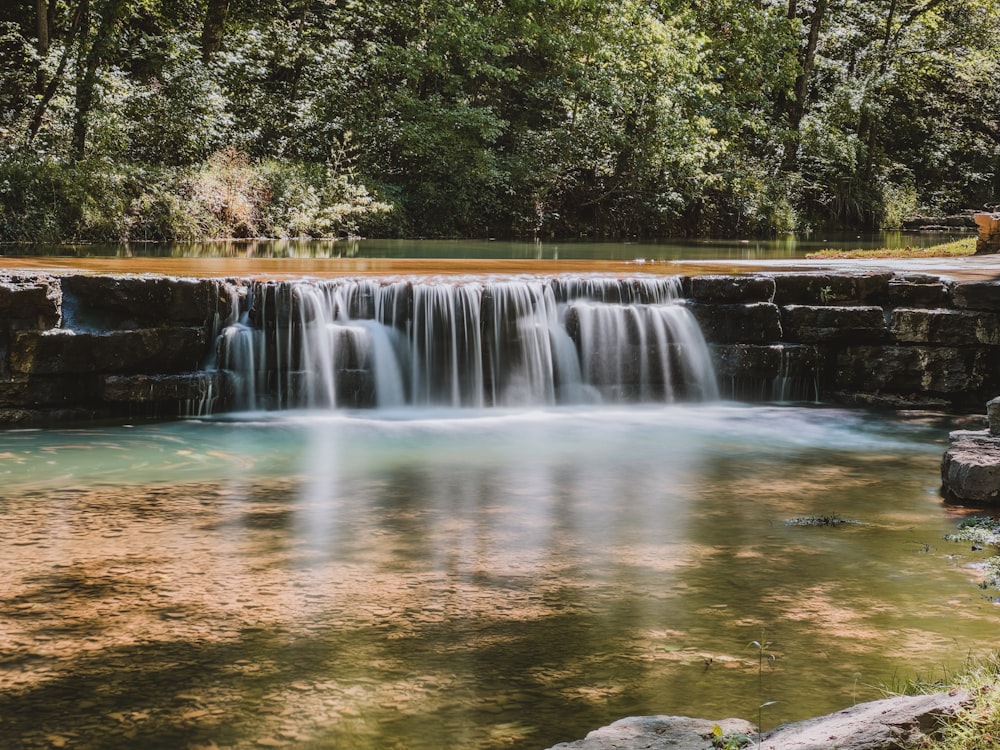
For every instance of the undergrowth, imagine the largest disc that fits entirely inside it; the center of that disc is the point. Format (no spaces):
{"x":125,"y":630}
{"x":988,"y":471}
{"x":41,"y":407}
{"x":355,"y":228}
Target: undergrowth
{"x":230,"y":194}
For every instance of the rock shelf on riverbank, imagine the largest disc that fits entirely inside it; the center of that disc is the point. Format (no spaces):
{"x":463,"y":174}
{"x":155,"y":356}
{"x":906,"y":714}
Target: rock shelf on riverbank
{"x":970,"y":468}
{"x":900,"y":721}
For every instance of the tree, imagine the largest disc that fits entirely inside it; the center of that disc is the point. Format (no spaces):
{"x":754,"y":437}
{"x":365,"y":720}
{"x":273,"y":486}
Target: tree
{"x":795,"y":109}
{"x":212,"y":29}
{"x":96,"y":44}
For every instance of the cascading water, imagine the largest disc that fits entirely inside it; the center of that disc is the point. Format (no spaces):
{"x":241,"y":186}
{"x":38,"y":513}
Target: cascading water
{"x":475,"y":343}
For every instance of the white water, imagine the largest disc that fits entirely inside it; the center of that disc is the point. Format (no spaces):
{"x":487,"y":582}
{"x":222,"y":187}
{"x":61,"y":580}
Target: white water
{"x":472,"y":343}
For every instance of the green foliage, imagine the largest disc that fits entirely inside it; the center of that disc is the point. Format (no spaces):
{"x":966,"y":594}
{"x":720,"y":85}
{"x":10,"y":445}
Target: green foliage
{"x":579,"y":118}
{"x":955,"y":248}
{"x":17,"y":77}
{"x":732,"y":741}
{"x":177,"y":115}
{"x":44,"y":200}
{"x":764,"y":656}
{"x":229,"y":195}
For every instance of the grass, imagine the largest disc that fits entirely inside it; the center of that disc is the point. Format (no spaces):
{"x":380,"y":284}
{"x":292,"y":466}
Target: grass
{"x":954,"y":249}
{"x":978,"y":726}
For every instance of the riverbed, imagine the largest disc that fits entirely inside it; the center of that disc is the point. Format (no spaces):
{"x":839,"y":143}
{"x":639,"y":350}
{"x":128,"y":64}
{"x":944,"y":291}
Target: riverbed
{"x":503,"y":578}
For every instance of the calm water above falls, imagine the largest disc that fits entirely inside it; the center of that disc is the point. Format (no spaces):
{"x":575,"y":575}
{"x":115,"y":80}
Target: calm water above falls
{"x":783,"y":247}
{"x":467,"y":578}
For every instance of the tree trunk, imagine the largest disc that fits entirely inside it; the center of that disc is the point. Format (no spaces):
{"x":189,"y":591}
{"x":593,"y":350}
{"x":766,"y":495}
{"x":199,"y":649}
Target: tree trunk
{"x":212,"y":30}
{"x":797,"y":107}
{"x":42,"y":26}
{"x":47,"y":91}
{"x":42,"y":31}
{"x":90,"y":61}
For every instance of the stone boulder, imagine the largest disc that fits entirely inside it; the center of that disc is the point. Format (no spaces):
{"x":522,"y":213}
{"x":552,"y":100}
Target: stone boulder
{"x":918,"y":290}
{"x":145,"y":351}
{"x":976,"y":295}
{"x":109,"y":303}
{"x":193,"y":386}
{"x":887,"y":724}
{"x":831,"y":289}
{"x":970,"y":468}
{"x":29,"y":302}
{"x":657,"y":733}
{"x":988,"y":240}
{"x":957,"y":373}
{"x":947,"y":327}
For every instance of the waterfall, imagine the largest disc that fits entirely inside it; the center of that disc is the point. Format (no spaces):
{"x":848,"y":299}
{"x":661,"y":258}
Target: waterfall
{"x":469,"y":343}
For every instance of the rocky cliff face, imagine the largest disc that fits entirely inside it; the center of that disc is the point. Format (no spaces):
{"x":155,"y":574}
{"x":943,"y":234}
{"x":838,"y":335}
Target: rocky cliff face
{"x":85,"y":347}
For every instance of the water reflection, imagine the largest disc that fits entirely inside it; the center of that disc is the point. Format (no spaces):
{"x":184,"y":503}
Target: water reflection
{"x":465,"y":579}
{"x":786,"y":246}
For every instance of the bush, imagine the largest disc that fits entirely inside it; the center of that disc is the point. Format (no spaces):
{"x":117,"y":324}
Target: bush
{"x":47,"y":200}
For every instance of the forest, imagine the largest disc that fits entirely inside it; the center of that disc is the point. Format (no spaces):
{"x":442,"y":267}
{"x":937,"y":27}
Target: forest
{"x":149,"y":120}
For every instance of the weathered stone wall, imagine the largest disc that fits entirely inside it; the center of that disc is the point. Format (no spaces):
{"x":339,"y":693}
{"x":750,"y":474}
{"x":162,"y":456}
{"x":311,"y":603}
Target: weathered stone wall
{"x":82,"y":347}
{"x":895,"y":340}
{"x":85,"y":347}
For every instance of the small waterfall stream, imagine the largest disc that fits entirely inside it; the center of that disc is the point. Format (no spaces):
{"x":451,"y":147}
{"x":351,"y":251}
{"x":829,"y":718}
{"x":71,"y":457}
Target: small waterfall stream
{"x":468,"y":343}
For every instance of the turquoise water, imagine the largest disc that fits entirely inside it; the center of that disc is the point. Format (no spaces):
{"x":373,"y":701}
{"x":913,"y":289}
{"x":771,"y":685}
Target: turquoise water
{"x":464,"y":578}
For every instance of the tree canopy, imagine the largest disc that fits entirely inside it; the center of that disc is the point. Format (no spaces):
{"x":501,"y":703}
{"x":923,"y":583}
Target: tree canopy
{"x":163,"y":119}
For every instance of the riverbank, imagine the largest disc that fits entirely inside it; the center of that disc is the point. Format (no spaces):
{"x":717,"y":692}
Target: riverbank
{"x":961,"y":712}
{"x":957,"y":249}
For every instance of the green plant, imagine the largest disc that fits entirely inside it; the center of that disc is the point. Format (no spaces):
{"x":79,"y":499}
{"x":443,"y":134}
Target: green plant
{"x":764,"y":656}
{"x":731,"y":741}
{"x":977,"y":727}
{"x":981,"y":530}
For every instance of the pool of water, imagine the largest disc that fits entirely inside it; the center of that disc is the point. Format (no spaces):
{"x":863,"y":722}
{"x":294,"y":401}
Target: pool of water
{"x":462,"y":578}
{"x":788,"y":246}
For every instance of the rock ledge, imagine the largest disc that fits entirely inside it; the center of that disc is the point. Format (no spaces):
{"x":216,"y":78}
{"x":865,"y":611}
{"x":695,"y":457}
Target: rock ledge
{"x":970,"y":468}
{"x":887,"y":724}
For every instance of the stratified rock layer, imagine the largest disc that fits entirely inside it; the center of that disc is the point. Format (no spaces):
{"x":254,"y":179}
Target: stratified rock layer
{"x":80,"y":346}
